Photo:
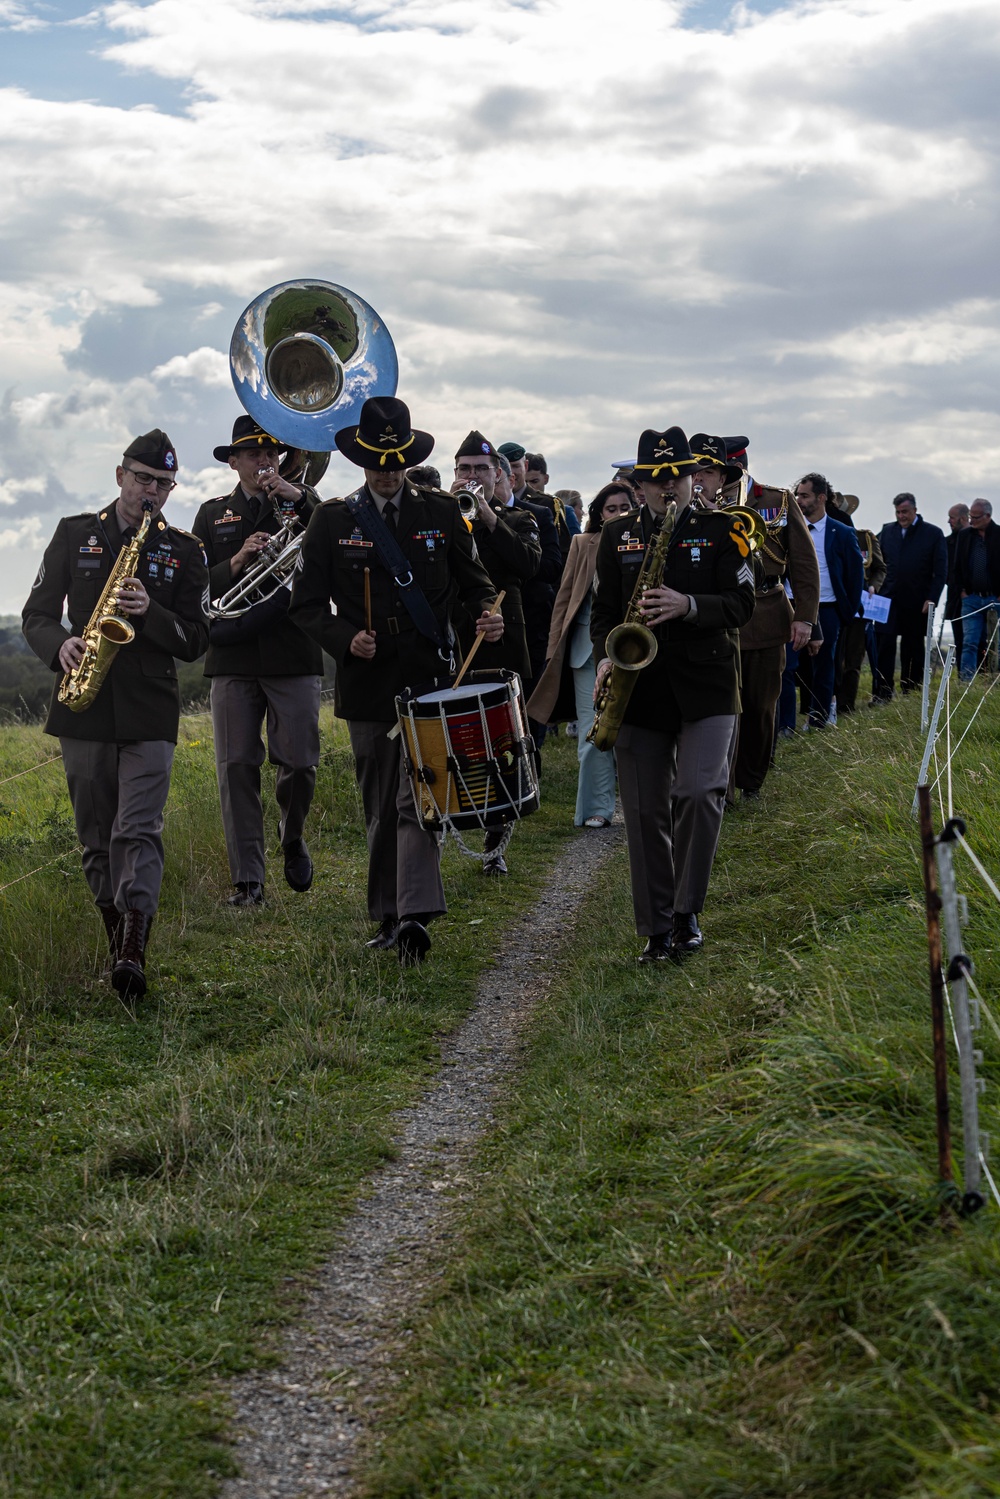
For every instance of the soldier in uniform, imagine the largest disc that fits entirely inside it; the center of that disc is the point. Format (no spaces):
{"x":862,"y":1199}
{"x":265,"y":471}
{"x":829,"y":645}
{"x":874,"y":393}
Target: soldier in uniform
{"x":373,"y":666}
{"x":118,"y":751}
{"x":787,"y":556}
{"x":673,"y":744}
{"x":509,"y":548}
{"x":260,"y":666}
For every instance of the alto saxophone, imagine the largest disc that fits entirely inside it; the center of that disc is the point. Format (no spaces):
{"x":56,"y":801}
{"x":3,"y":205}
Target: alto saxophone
{"x":630,"y":645}
{"x":107,"y":630}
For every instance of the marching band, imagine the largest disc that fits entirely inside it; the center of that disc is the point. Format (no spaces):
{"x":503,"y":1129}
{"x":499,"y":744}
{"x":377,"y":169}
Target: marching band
{"x":701,"y":579}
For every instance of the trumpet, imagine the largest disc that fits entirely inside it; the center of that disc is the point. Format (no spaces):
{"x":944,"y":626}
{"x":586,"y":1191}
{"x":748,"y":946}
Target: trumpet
{"x":468,"y":498}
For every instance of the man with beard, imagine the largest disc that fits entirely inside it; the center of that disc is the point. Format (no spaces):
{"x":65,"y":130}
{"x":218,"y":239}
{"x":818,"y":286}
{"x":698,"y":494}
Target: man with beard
{"x":673,"y":744}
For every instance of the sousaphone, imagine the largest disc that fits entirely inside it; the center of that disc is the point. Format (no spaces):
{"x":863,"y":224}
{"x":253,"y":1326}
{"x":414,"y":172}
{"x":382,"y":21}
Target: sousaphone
{"x":304,"y":357}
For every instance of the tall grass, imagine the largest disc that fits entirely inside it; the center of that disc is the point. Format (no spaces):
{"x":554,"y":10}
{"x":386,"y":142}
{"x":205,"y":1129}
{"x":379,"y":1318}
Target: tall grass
{"x":171,"y":1169}
{"x":708,"y":1256}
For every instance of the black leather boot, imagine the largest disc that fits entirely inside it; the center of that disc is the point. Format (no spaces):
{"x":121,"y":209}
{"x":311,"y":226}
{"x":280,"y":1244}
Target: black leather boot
{"x":129,"y":975}
{"x":114,"y":921}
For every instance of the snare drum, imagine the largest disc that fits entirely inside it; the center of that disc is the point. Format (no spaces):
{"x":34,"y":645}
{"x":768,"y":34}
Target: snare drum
{"x":469,"y":753}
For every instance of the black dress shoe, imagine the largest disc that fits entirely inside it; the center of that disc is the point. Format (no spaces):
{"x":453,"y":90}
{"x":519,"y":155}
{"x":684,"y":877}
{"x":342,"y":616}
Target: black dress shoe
{"x":657,"y":949}
{"x":246,"y":893}
{"x":385,"y":937}
{"x":494,"y":864}
{"x":413,"y":942}
{"x":687,"y":933}
{"x":298,"y":865}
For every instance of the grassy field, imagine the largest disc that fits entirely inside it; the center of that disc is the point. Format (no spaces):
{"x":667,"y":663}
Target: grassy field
{"x":169,"y":1172}
{"x":708,"y":1257}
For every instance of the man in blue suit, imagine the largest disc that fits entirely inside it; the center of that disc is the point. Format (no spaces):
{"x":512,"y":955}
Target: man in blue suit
{"x":841,"y":579}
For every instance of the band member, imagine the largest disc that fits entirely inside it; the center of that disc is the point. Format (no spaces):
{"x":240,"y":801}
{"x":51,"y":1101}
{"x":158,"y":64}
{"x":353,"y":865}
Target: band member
{"x":118,"y":751}
{"x":260,"y":666}
{"x":408,"y":643}
{"x":509,"y":548}
{"x":787,"y":556}
{"x":673,"y":744}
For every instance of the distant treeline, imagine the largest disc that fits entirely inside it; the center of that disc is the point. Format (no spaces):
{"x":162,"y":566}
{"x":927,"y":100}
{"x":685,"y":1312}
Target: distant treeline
{"x":26,"y":684}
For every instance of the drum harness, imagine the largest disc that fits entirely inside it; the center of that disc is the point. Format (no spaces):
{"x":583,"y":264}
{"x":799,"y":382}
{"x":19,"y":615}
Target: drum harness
{"x":396,"y":563}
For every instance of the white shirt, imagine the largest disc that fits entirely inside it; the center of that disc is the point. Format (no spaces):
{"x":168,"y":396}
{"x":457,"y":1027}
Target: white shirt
{"x":817,"y":530}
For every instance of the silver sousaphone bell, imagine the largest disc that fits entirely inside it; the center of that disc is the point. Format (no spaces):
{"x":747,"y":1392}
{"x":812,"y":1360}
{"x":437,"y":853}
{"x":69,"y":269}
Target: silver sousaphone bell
{"x":304,"y":357}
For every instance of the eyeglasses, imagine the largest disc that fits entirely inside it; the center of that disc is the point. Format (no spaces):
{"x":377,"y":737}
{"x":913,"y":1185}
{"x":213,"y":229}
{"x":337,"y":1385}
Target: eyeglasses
{"x":145,"y":480}
{"x":473,"y":468}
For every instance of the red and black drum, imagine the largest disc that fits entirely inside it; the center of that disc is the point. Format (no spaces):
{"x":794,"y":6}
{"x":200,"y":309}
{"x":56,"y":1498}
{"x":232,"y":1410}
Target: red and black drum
{"x":468,"y":751}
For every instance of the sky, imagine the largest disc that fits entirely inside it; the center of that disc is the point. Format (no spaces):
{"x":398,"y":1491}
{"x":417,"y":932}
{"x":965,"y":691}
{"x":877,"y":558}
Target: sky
{"x":576,"y":219}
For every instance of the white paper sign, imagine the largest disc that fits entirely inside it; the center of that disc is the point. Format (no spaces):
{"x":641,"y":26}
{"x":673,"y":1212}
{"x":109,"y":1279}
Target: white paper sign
{"x":876,"y":607}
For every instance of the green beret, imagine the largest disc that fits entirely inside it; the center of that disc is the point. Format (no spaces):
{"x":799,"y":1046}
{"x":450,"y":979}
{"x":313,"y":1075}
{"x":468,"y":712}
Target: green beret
{"x":512,"y":451}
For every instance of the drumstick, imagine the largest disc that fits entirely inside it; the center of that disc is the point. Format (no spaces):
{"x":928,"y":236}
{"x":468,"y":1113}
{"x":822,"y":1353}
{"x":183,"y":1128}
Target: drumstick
{"x":479,"y":638}
{"x":368,"y":600}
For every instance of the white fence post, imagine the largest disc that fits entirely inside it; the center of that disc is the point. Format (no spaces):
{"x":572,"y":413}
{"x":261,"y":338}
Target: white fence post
{"x":949,"y":662}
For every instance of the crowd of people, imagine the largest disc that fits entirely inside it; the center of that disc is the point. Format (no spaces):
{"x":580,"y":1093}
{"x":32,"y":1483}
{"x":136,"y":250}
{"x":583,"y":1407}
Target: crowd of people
{"x":760,"y":603}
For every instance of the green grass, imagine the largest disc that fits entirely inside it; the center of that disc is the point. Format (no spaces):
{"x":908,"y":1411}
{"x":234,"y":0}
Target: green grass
{"x":170,"y":1171}
{"x":708,"y":1255}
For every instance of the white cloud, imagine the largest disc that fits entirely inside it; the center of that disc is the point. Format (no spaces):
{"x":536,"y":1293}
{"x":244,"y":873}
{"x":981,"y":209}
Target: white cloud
{"x":205,"y":366}
{"x":574,"y":224}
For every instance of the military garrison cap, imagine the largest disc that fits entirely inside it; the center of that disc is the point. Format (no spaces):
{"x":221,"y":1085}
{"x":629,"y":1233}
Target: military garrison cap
{"x":475,"y":444}
{"x":154,"y":449}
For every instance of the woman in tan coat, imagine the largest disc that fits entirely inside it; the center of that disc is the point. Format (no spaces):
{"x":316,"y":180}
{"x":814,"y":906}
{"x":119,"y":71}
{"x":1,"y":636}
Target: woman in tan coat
{"x":566,"y":687}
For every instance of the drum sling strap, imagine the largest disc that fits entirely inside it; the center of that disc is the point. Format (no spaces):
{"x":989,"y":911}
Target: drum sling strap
{"x":393,"y":558}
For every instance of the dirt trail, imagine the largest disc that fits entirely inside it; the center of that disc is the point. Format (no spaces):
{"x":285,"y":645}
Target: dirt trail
{"x":297,"y":1426}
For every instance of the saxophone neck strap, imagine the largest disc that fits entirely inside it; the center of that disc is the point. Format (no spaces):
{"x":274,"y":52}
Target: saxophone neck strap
{"x":396,"y":563}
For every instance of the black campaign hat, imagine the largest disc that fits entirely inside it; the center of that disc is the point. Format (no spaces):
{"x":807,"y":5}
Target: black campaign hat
{"x":154,"y":449}
{"x":661,"y":452}
{"x":246,"y":434}
{"x":383,"y":438}
{"x":712,"y":450}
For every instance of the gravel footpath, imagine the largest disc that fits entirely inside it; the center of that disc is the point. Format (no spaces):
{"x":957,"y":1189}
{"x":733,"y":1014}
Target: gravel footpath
{"x":297,"y":1426}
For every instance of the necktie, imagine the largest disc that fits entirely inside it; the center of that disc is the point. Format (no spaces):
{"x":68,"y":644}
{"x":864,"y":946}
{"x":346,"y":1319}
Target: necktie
{"x":389,"y":516}
{"x":811,"y":526}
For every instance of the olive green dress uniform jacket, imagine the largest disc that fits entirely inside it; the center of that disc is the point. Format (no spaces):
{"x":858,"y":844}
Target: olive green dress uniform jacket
{"x":511,"y":554}
{"x":694,"y":674}
{"x":788,"y":553}
{"x":140,"y":697}
{"x":281,"y":649}
{"x":438,"y":545}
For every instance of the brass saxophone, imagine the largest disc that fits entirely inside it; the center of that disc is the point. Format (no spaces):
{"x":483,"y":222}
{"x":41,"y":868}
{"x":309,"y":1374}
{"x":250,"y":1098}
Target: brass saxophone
{"x":630,"y":645}
{"x":107,"y":630}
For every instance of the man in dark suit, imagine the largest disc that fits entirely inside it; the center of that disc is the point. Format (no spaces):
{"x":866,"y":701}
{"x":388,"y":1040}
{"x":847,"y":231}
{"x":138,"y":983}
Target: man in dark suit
{"x":261,"y":667}
{"x":977,"y":574}
{"x":958,"y":521}
{"x":374,"y":665}
{"x":841,"y":578}
{"x":916,"y":561}
{"x":677,"y":728}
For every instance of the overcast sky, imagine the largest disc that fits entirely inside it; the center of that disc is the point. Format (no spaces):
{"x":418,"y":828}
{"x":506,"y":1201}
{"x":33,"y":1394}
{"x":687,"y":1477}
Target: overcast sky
{"x":577,"y":219}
